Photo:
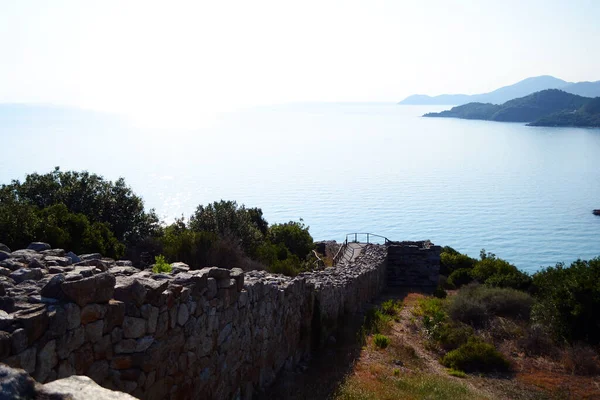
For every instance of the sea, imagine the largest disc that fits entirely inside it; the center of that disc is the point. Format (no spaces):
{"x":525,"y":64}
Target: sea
{"x":523,"y":193}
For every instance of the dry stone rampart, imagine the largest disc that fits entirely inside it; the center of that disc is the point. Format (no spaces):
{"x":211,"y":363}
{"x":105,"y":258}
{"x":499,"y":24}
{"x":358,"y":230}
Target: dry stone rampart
{"x":413,"y":264}
{"x":211,"y":333}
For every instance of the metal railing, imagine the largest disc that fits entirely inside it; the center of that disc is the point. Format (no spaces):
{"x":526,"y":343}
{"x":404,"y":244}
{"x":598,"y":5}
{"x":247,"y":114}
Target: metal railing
{"x":368,"y":236}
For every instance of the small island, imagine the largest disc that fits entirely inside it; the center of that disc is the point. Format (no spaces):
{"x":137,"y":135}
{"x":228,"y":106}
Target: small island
{"x":550,"y":107}
{"x":596,"y":212}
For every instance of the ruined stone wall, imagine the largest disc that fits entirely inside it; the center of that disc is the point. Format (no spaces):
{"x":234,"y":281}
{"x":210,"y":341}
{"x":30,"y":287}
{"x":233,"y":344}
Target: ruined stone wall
{"x":413,"y":264}
{"x":209,"y":333}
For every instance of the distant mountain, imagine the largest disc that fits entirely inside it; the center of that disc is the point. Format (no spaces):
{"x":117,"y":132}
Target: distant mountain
{"x":506,"y":93}
{"x":550,"y":107}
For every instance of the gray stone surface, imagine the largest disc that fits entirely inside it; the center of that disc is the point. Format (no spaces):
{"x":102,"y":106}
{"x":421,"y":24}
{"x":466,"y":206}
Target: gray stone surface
{"x":211,"y":333}
{"x":38,"y":246}
{"x":82,"y":388}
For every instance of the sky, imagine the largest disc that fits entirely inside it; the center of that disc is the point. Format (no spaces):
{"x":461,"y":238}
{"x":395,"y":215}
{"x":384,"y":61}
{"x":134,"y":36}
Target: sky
{"x":175,"y":58}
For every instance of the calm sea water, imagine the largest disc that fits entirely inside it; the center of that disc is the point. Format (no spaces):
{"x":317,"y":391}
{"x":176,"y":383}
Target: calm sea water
{"x":524,"y":193}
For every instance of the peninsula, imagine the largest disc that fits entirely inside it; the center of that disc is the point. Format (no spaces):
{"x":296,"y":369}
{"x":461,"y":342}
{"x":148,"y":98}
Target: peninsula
{"x":550,"y":107}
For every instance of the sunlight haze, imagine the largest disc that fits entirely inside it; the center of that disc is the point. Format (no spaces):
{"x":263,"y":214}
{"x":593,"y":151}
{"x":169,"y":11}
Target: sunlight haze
{"x":177,"y":59}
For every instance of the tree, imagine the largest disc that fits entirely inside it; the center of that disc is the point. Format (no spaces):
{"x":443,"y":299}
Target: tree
{"x":294,"y":236}
{"x":91,"y":195}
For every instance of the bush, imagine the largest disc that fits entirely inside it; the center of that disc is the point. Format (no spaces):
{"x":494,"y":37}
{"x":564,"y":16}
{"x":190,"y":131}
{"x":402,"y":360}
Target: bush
{"x":580,"y":359}
{"x":456,"y":373}
{"x":161,"y":265}
{"x":495,"y":271}
{"x":476,"y":304}
{"x":451,"y":260}
{"x":569,"y":300}
{"x":294,"y":236}
{"x":537,"y":341}
{"x":391,"y":307}
{"x":476,"y":356}
{"x":440,"y":293}
{"x":381,"y":341}
{"x":460,"y":277}
{"x":99,"y":200}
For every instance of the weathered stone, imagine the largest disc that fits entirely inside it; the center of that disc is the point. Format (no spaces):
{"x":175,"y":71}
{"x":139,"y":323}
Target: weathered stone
{"x":130,"y":290}
{"x":12,"y":264}
{"x":98,"y":371}
{"x":124,"y":263}
{"x":121,"y":362}
{"x":82,"y":358}
{"x":71,"y":341}
{"x":24,"y":274}
{"x":92,"y":312}
{"x":142,"y":344}
{"x":4,"y":272}
{"x":238,"y":275}
{"x":34,"y":321}
{"x":95,"y":289}
{"x":4,"y":255}
{"x":6,"y":319}
{"x":116,"y":334}
{"x":103,"y":348}
{"x":114,"y":315}
{"x":182,"y":315}
{"x":5,"y":344}
{"x":57,"y":317}
{"x":150,"y":314}
{"x":74,"y":258}
{"x":34,"y":263}
{"x":217,"y":273}
{"x":54,"y":252}
{"x":4,"y":247}
{"x":47,"y":359}
{"x":38,"y":246}
{"x":134,"y":327}
{"x":162,"y":324}
{"x":82,"y":388}
{"x":125,"y":346}
{"x":65,"y":369}
{"x":179,"y":267}
{"x":19,"y":340}
{"x":212,"y":288}
{"x":93,"y":331}
{"x":16,"y":384}
{"x":92,"y":256}
{"x":61,"y":261}
{"x":25,"y":360}
{"x":100,"y":264}
{"x":52,"y":289}
{"x":73,"y":315}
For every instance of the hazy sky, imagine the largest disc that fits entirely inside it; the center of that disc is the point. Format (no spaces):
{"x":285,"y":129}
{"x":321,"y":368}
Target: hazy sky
{"x":140,"y":57}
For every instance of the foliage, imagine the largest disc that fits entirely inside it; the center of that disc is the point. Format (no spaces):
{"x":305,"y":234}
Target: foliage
{"x":405,"y":386}
{"x":476,"y":356}
{"x":228,"y":220}
{"x":294,"y":236}
{"x":451,"y":260}
{"x":381,"y":341}
{"x":568,"y":300}
{"x":476,"y":304}
{"x":456,"y":373}
{"x":22,"y":223}
{"x":460,"y":277}
{"x":161,"y":265}
{"x":550,"y":107}
{"x":391,"y":307}
{"x":439,"y":292}
{"x":99,"y":200}
{"x":495,"y":271}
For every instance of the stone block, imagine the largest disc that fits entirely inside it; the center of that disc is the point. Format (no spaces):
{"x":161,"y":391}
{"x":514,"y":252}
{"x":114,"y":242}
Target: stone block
{"x":94,"y":289}
{"x":134,"y":327}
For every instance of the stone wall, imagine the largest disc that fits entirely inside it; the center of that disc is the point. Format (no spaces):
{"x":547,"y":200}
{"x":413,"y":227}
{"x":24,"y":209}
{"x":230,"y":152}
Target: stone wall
{"x":209,"y":333}
{"x":413,"y":264}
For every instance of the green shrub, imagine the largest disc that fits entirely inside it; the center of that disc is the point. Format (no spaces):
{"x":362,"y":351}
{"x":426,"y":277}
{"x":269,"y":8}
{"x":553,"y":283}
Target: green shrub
{"x":294,"y":236}
{"x":568,"y":300}
{"x":476,"y":304}
{"x":161,"y":265}
{"x":494,"y":271}
{"x":460,"y":277}
{"x":391,"y":307}
{"x":476,"y":356}
{"x":456,"y":373}
{"x":381,"y":341}
{"x":440,"y":293}
{"x":451,"y":260}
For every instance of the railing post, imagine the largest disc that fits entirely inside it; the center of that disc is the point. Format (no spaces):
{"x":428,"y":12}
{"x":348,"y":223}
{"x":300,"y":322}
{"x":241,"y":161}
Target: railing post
{"x":367,"y":238}
{"x":355,"y":237}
